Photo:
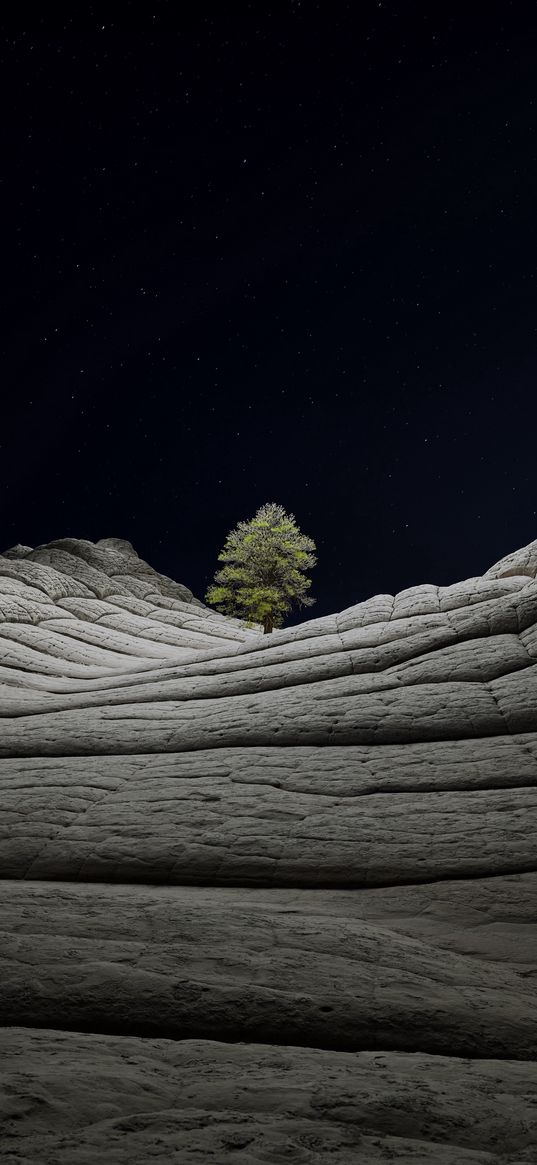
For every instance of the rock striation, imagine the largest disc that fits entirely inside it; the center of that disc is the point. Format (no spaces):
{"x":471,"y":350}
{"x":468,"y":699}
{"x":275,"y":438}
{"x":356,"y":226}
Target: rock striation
{"x":265,"y":898}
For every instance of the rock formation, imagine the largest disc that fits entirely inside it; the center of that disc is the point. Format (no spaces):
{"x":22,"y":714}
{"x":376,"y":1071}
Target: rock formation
{"x":265,"y":898}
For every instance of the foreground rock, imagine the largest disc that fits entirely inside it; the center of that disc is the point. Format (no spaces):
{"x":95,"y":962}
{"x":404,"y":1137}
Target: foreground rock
{"x":266,"y":898}
{"x":89,"y":1098}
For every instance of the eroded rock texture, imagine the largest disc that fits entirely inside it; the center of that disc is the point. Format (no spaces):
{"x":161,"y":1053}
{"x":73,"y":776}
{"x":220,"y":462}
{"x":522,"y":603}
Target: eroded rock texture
{"x":265,"y":898}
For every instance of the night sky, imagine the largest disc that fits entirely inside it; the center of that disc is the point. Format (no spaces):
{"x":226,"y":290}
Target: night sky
{"x":273,"y":252}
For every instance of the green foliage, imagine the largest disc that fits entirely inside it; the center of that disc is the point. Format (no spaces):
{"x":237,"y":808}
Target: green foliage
{"x":263,"y":575}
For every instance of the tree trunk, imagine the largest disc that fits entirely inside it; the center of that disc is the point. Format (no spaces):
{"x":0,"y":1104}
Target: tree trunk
{"x":267,"y":624}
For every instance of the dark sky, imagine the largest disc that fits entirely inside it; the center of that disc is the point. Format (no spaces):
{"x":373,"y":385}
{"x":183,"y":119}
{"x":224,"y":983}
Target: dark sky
{"x":273,"y":252}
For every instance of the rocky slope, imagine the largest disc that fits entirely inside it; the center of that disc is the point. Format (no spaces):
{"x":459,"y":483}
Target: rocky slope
{"x":265,"y":898}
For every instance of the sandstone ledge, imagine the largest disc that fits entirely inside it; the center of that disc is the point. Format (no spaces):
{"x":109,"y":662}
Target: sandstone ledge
{"x":131,"y":1100}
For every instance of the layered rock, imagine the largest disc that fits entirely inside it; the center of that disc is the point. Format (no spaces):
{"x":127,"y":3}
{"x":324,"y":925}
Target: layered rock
{"x":274,"y":895}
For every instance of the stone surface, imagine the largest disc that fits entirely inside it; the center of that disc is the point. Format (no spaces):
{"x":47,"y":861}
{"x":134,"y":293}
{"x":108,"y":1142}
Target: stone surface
{"x":178,"y":963}
{"x":266,"y":898}
{"x":199,"y":1101}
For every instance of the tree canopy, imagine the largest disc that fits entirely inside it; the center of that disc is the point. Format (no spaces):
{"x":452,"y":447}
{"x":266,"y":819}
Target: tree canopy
{"x":263,"y":576}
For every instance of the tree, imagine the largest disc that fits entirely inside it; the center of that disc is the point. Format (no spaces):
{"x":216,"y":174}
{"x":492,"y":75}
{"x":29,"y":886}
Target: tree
{"x":263,"y":576}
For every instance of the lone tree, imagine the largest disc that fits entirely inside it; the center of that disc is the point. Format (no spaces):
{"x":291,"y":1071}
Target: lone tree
{"x":263,"y":576}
